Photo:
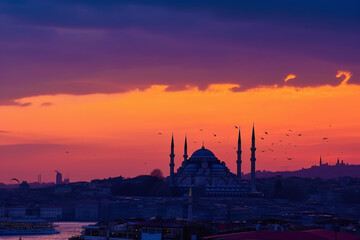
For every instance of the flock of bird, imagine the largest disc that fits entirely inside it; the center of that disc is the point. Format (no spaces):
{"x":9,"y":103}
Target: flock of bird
{"x":287,"y":135}
{"x":263,"y":138}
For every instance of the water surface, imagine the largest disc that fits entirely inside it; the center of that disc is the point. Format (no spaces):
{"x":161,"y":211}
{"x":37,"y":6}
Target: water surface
{"x":66,"y":229}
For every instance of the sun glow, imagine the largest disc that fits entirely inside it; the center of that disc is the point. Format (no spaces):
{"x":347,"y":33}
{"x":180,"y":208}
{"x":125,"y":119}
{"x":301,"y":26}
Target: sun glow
{"x":123,"y":129}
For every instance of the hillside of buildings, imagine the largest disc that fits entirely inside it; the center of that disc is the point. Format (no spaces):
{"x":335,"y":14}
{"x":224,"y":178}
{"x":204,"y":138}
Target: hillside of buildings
{"x":324,"y":171}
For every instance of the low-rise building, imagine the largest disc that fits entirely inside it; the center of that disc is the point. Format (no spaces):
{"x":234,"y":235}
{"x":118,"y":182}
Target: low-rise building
{"x":51,"y":213}
{"x":87,"y":211}
{"x":16,"y":212}
{"x":2,"y":212}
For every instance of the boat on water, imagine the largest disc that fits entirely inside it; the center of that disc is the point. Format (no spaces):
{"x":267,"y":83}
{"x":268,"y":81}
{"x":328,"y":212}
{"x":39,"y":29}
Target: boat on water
{"x":26,"y":227}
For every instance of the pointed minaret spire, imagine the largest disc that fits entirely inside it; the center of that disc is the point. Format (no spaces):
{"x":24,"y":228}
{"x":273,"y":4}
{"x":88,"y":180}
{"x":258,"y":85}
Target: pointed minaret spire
{"x":253,"y":159}
{"x":172,"y":164}
{"x":320,"y":161}
{"x":203,"y":146}
{"x":185,"y":149}
{"x":239,"y":152}
{"x":253,"y":137}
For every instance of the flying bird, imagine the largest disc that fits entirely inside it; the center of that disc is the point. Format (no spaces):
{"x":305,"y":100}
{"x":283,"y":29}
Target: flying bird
{"x":290,"y":158}
{"x":214,"y":134}
{"x":201,"y":130}
{"x":159,"y":133}
{"x":262,"y":138}
{"x":325,"y":138}
{"x":15,"y":179}
{"x":290,"y":130}
{"x":219,"y":142}
{"x":266,"y":133}
{"x":236,"y":127}
{"x":67,"y":152}
{"x":287,"y":135}
{"x":299,"y":134}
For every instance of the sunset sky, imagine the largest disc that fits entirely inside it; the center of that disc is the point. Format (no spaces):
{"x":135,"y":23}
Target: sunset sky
{"x":86,"y":86}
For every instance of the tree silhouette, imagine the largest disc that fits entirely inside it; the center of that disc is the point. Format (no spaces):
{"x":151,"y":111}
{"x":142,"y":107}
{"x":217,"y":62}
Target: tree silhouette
{"x":157,"y":173}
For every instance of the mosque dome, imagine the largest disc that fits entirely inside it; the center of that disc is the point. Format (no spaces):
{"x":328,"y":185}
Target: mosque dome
{"x":203,"y":152}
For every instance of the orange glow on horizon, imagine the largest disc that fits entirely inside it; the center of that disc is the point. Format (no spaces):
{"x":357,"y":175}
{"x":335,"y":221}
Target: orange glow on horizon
{"x":117,"y":134}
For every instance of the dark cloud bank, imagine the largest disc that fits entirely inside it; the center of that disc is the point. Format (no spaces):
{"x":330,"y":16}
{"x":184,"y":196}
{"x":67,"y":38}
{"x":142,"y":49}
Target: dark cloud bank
{"x":82,"y":47}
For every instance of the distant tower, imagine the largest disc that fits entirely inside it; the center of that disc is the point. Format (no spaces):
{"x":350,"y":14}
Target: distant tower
{"x":253,"y":159}
{"x":239,"y":152}
{"x":190,"y":213}
{"x":185,"y":150}
{"x":172,"y":164}
{"x":320,"y":161}
{"x":39,"y":178}
{"x":338,"y":162}
{"x":58,"y":178}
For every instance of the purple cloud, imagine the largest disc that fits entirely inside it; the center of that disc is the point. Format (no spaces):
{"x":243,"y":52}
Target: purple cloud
{"x":82,"y":47}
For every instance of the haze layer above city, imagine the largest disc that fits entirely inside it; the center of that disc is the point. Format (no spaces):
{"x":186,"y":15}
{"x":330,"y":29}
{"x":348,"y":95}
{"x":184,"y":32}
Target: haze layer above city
{"x":97,"y":90}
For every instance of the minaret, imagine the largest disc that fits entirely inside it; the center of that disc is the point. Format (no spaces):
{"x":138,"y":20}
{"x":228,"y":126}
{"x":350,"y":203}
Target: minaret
{"x":320,"y":161}
{"x":190,"y":214}
{"x":239,"y":152}
{"x":172,"y":164}
{"x":185,"y":150}
{"x":253,"y":159}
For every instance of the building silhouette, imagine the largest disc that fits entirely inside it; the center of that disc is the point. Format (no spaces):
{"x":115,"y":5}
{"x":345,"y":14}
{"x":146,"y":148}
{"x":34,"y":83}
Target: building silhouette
{"x":238,"y":160}
{"x":204,"y":169}
{"x":190,"y":203}
{"x":253,"y":159}
{"x":58,"y":178}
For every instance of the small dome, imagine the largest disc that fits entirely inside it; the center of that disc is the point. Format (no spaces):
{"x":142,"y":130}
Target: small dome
{"x":203,"y":152}
{"x":217,"y":167}
{"x":191,"y":167}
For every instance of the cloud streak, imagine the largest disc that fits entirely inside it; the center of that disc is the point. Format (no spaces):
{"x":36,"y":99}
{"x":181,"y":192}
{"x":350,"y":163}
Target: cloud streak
{"x":289,"y":77}
{"x":346,"y":74}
